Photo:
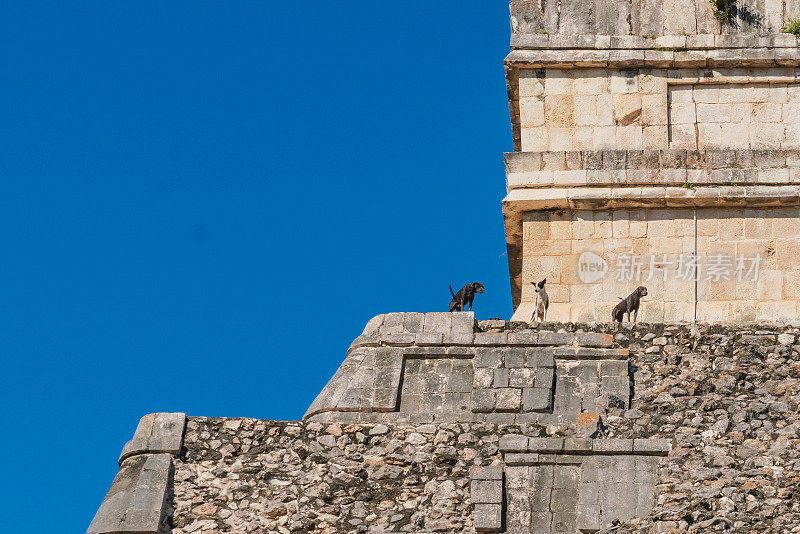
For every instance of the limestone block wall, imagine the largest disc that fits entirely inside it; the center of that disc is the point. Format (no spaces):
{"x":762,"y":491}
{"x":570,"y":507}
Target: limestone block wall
{"x":593,"y":109}
{"x":739,"y":116}
{"x":635,"y":109}
{"x":748,"y":266}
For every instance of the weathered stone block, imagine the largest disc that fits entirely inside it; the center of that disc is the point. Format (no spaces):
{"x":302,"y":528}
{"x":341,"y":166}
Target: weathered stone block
{"x":373,"y":325}
{"x":521,"y":458}
{"x":486,"y":338}
{"x":457,"y":339}
{"x":588,"y":518}
{"x":614,"y":368}
{"x":555,"y":338}
{"x":486,"y":491}
{"x":488,"y":357}
{"x":156,"y":433}
{"x":428,"y":338}
{"x":587,"y":425}
{"x":412,"y":322}
{"x":539,"y":357}
{"x":652,"y":446}
{"x":483,"y":400}
{"x":488,"y":517}
{"x":500,"y":378}
{"x":487,"y":473}
{"x":136,"y":501}
{"x":520,"y":377}
{"x":612,"y":446}
{"x":462,"y":322}
{"x":594,"y":339}
{"x":536,"y":399}
{"x":543,"y":377}
{"x":392,"y":323}
{"x":546,"y":445}
{"x":508,"y":400}
{"x":437,"y":322}
{"x":514,"y":357}
{"x":578,"y":445}
{"x":522,"y":338}
{"x":513,"y":443}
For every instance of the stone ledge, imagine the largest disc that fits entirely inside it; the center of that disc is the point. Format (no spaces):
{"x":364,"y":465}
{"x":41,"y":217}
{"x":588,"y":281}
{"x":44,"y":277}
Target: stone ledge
{"x":588,"y":198}
{"x":450,"y":333}
{"x":651,"y":167}
{"x":156,"y":433}
{"x":675,"y":43}
{"x":583,"y":353}
{"x":641,"y":58}
{"x":519,"y":444}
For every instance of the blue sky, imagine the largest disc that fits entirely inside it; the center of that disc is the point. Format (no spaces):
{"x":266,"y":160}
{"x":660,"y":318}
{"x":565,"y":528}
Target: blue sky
{"x":202,"y":203}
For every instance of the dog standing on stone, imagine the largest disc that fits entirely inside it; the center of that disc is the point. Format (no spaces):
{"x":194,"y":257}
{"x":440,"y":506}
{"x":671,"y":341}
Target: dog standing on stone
{"x":628,"y":305}
{"x":464,"y":296}
{"x":542,"y":301}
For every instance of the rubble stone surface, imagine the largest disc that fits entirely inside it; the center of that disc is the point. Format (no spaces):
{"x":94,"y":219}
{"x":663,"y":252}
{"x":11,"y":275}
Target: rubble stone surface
{"x":724,"y":404}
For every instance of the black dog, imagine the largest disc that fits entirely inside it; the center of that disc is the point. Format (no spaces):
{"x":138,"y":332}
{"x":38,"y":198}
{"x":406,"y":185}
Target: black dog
{"x":464,"y":296}
{"x":628,"y":305}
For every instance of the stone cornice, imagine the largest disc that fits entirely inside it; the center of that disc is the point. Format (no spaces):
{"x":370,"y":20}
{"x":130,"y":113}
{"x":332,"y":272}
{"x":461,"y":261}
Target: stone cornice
{"x":527,"y":41}
{"x":654,"y":58}
{"x":651,"y":167}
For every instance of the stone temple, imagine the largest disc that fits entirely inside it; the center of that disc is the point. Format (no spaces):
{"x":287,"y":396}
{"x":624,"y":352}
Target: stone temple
{"x":656,"y":143}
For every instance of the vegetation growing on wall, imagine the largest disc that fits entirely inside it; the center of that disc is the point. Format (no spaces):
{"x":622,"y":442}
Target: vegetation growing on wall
{"x":793,"y":27}
{"x":724,"y":10}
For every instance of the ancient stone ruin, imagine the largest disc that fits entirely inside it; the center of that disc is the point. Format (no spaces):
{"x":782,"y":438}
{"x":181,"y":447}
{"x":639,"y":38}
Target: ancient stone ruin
{"x":646,"y":132}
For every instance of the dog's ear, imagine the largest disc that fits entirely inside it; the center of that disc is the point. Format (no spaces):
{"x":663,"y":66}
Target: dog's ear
{"x":544,"y":281}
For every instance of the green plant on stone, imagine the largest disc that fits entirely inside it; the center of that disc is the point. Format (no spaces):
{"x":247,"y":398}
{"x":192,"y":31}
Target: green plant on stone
{"x":793,"y":27}
{"x":544,"y":32}
{"x":724,"y":10}
{"x":687,"y":185}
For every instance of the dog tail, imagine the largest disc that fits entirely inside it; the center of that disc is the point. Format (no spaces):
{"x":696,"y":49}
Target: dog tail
{"x":451,"y":291}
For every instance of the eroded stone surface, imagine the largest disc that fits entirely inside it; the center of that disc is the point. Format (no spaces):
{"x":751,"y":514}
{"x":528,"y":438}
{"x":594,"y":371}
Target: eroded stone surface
{"x":723,"y":407}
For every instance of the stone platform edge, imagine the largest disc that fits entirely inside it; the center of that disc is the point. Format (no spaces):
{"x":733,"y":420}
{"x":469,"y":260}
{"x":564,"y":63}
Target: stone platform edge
{"x":137,"y":500}
{"x":389,"y":339}
{"x":459,"y":329}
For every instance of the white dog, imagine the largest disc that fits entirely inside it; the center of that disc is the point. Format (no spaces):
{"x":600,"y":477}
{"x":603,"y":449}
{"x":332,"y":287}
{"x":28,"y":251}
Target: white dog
{"x":542,"y":301}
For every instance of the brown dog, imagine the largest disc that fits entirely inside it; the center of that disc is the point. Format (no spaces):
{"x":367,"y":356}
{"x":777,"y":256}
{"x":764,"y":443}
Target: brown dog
{"x":628,"y":305}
